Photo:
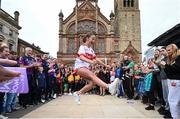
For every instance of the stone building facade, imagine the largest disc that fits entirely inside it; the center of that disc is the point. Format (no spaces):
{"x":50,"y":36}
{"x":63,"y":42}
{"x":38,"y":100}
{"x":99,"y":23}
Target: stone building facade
{"x":23,"y":44}
{"x":112,"y":41}
{"x":9,"y":29}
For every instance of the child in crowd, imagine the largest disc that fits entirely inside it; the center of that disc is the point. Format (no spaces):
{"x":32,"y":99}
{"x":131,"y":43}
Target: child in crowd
{"x":70,"y":77}
{"x":52,"y":81}
{"x":41,"y":84}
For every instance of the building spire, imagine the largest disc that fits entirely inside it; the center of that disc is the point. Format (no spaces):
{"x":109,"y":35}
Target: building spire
{"x":61,"y":14}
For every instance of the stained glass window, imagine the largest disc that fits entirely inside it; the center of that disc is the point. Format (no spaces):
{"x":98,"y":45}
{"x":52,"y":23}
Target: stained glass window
{"x":87,"y":26}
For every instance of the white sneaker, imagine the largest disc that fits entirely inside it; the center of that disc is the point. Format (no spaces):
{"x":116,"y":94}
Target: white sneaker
{"x":54,"y":96}
{"x":78,"y":102}
{"x":77,"y":98}
{"x":112,"y":87}
{"x":3,"y":117}
{"x":42,"y":100}
{"x":70,"y":94}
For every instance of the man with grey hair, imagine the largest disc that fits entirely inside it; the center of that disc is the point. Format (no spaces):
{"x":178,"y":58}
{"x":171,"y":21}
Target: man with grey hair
{"x":28,"y":61}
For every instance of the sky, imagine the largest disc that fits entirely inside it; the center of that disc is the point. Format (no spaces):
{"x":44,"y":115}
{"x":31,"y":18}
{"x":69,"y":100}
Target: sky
{"x":39,"y":19}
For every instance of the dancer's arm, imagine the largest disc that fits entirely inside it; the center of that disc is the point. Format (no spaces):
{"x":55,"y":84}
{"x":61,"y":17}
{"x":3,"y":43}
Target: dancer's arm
{"x":8,"y":62}
{"x":102,"y":63}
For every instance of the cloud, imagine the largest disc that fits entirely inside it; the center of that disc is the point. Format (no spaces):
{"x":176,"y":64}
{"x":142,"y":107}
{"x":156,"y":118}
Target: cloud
{"x":157,"y":16}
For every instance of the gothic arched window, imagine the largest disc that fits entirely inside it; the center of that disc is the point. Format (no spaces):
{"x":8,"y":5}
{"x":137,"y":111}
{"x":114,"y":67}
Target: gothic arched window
{"x":87,"y":26}
{"x":71,"y":46}
{"x":101,"y":29}
{"x":101,"y":46}
{"x":124,"y":3}
{"x":132,"y":3}
{"x":1,"y":39}
{"x":71,"y":29}
{"x":128,"y":3}
{"x":10,"y":43}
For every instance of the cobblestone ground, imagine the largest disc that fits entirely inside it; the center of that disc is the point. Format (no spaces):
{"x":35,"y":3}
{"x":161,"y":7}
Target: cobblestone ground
{"x":92,"y":106}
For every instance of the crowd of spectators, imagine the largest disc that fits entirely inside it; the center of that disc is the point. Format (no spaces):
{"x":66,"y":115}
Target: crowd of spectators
{"x":156,"y":82}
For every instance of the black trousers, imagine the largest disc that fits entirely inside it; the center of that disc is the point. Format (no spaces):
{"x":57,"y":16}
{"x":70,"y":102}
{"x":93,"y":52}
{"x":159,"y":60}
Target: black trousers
{"x":41,"y":93}
{"x":128,"y":87}
{"x":24,"y":99}
{"x":155,"y":90}
{"x":1,"y":102}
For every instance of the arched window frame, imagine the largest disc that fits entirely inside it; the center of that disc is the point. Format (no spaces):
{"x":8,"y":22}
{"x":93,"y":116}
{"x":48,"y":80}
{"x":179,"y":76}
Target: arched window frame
{"x":71,"y":46}
{"x":101,"y":45}
{"x":132,"y":3}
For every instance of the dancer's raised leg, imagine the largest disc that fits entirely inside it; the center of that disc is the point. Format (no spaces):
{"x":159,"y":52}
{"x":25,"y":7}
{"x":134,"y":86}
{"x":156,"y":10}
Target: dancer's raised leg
{"x":86,"y":73}
{"x":86,"y":88}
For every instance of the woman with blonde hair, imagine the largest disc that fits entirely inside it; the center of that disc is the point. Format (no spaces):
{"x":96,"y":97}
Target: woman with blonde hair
{"x":172,"y":70}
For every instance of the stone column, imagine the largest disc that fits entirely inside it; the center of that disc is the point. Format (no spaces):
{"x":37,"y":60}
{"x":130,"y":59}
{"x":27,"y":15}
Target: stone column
{"x":112,"y":16}
{"x":96,"y":18}
{"x":76,"y":21}
{"x":76,"y":42}
{"x":61,"y":32}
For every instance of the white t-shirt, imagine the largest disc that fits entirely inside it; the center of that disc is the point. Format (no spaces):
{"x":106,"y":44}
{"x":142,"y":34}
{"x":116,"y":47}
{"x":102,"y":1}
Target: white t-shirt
{"x":87,"y":52}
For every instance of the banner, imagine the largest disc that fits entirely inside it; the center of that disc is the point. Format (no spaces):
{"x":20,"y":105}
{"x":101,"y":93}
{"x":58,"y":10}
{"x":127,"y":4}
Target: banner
{"x":149,"y":54}
{"x":17,"y":84}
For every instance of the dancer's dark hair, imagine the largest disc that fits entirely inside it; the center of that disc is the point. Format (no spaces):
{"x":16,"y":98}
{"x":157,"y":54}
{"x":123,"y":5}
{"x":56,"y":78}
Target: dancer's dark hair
{"x":88,"y":35}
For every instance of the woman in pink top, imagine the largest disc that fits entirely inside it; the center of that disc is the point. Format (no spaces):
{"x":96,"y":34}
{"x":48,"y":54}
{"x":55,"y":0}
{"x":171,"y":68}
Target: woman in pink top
{"x":87,"y":57}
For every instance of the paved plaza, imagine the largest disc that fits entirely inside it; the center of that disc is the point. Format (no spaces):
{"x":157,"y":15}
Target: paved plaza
{"x":92,"y":106}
